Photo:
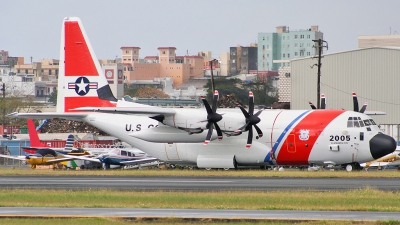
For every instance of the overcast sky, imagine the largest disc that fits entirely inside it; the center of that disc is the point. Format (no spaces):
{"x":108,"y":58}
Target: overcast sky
{"x":32,"y":27}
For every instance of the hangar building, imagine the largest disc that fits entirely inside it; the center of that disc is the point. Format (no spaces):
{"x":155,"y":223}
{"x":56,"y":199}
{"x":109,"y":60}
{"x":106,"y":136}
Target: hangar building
{"x":373,"y":73}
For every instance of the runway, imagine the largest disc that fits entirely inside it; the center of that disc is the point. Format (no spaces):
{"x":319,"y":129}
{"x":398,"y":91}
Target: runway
{"x":196,"y":214}
{"x":196,"y":183}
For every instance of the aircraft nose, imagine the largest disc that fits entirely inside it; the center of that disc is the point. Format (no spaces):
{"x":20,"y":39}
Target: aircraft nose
{"x":381,"y":145}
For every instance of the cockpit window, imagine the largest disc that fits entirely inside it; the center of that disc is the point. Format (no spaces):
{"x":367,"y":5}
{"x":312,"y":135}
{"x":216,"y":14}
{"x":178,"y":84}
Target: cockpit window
{"x":367,"y":123}
{"x":372,"y":121}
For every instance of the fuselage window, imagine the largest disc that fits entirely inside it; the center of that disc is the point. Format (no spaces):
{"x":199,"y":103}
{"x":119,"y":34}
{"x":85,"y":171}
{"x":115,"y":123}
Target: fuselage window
{"x":123,"y":153}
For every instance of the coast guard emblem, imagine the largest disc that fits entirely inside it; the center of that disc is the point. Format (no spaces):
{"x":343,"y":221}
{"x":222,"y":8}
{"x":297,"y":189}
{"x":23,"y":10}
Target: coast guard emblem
{"x":304,"y":135}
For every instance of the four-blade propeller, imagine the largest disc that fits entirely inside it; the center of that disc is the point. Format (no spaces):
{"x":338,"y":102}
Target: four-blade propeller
{"x":251,"y":121}
{"x":355,"y":104}
{"x":212,"y":118}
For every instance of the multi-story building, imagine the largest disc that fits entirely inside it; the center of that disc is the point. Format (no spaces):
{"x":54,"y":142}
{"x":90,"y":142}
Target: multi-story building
{"x":285,"y":45}
{"x":243,"y":59}
{"x":166,"y":64}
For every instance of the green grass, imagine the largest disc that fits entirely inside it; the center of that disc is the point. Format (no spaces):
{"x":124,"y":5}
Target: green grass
{"x":212,"y":173}
{"x":366,"y":199}
{"x":101,"y":221}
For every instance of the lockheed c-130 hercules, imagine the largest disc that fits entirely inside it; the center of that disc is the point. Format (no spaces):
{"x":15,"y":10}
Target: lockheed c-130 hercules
{"x":188,"y":136}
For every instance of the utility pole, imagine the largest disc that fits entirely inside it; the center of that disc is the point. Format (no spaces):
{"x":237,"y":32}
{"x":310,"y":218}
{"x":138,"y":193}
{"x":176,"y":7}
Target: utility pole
{"x":4,"y":104}
{"x":319,"y":44}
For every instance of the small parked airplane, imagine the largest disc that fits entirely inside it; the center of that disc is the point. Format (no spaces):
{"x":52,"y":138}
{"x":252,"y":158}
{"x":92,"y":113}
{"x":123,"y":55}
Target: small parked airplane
{"x":390,"y":160}
{"x":106,"y":157}
{"x":185,"y":136}
{"x":123,"y":158}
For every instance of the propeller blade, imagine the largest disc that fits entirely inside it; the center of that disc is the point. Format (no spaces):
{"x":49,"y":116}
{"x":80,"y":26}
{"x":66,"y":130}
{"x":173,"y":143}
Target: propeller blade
{"x":362,"y":110}
{"x":323,"y":101}
{"x":259,"y":132}
{"x":249,"y":138}
{"x":355,"y":102}
{"x":208,"y":108}
{"x":208,"y":138}
{"x":219,"y":132}
{"x":243,"y":128}
{"x":312,"y":105}
{"x":215,"y":101}
{"x":259,"y":112}
{"x":245,"y":113}
{"x":251,"y":103}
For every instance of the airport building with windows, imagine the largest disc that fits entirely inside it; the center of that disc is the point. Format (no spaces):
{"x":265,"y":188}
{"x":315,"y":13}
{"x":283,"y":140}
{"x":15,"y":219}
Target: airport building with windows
{"x":285,"y":44}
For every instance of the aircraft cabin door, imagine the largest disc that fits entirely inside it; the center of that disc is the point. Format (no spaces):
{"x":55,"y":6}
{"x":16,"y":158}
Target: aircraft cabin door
{"x":171,"y":151}
{"x":290,"y":143}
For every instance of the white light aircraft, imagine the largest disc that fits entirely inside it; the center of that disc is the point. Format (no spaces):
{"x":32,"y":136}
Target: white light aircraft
{"x":188,"y":136}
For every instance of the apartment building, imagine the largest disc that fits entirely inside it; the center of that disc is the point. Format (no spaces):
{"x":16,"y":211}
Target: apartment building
{"x":285,"y":44}
{"x":165,"y":64}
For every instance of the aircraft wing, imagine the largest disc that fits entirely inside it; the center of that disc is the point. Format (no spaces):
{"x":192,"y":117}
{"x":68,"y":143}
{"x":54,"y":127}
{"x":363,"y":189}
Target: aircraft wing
{"x":73,"y":157}
{"x":20,"y":157}
{"x":375,"y":164}
{"x":139,"y":161}
{"x":67,"y":116}
{"x":374,"y":113}
{"x":129,"y":110}
{"x":60,"y":160}
{"x":394,"y":163}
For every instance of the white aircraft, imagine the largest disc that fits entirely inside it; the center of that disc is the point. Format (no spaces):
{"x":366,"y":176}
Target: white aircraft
{"x":188,"y":136}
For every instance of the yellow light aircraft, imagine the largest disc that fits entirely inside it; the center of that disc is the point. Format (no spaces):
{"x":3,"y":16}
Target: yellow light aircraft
{"x":45,"y":157}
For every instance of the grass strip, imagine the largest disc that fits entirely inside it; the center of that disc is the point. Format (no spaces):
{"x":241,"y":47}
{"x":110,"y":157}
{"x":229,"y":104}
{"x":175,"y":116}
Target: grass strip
{"x":200,"y":173}
{"x":366,"y":199}
{"x":175,"y":221}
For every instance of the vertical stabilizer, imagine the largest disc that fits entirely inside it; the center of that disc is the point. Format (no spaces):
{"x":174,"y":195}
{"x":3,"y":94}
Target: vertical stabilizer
{"x":33,"y":136}
{"x":81,"y":80}
{"x":70,"y":143}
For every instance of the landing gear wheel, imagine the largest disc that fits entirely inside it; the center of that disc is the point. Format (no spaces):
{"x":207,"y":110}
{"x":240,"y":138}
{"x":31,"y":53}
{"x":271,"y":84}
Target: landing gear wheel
{"x":106,"y":166}
{"x":349,"y":167}
{"x":208,"y":168}
{"x":33,"y":166}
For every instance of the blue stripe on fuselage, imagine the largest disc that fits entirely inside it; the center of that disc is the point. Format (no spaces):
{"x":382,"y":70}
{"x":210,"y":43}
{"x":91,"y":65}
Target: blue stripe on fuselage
{"x":268,"y":156}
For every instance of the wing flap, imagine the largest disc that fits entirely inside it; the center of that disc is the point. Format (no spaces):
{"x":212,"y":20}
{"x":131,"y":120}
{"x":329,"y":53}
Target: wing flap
{"x":129,"y":110}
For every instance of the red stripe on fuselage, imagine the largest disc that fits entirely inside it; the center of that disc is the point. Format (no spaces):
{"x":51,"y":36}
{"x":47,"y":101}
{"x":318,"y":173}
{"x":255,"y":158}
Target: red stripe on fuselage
{"x":78,"y":60}
{"x":295,"y":151}
{"x":77,"y":102}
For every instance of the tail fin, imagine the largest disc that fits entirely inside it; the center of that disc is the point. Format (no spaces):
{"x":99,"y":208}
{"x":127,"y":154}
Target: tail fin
{"x":81,"y":81}
{"x":33,"y":136}
{"x":70,"y":142}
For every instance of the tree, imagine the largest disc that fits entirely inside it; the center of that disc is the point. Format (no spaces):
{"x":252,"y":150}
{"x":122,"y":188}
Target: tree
{"x":264,"y":92}
{"x":53,"y":98}
{"x":15,"y":104}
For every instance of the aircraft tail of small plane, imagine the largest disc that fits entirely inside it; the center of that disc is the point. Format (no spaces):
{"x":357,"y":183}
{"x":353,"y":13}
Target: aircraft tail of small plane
{"x":81,"y":79}
{"x":33,"y":136}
